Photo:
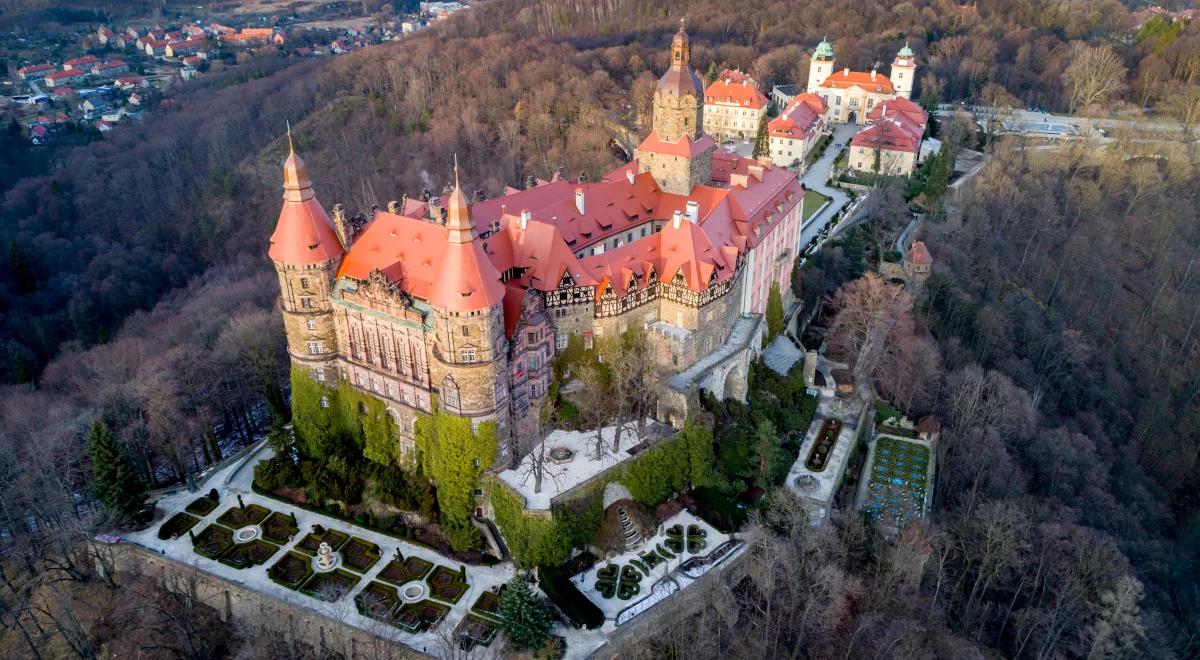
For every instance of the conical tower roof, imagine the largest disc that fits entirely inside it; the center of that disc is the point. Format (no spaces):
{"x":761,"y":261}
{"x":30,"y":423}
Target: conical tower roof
{"x":466,"y":281}
{"x":304,"y":233}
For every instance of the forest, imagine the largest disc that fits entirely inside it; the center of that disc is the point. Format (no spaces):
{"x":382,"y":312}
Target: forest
{"x":134,"y":289}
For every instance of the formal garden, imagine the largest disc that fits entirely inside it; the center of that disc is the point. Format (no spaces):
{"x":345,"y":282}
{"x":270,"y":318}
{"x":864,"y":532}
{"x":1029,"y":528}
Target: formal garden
{"x":898,"y":481}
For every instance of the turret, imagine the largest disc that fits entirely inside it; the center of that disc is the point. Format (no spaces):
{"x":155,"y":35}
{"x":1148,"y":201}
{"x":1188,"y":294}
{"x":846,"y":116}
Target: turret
{"x":306,"y":252}
{"x":820,"y":66}
{"x":471,"y":354}
{"x":904,"y":72}
{"x":677,"y":152}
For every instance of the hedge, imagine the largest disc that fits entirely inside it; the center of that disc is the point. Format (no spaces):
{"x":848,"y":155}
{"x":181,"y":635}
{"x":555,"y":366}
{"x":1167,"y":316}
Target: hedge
{"x":671,"y":466}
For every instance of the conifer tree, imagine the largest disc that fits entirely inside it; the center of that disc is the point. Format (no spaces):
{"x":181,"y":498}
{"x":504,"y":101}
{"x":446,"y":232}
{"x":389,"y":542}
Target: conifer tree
{"x":939,"y":174}
{"x":114,"y":481}
{"x":526,"y":615}
{"x":762,"y":144}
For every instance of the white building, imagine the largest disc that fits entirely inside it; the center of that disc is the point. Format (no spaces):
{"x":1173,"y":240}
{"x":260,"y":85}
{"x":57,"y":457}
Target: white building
{"x":851,"y":95}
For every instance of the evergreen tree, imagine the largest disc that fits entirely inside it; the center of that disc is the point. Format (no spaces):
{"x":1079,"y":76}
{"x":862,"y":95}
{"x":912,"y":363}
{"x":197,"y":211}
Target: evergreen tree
{"x":712,"y":73}
{"x":762,"y":144}
{"x":774,"y":311}
{"x":114,"y":481}
{"x":766,"y":449}
{"x":939,"y":174}
{"x":526,"y":615}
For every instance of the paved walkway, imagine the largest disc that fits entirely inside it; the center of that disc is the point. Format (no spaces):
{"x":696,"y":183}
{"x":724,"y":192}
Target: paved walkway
{"x":234,"y":480}
{"x":815,"y":178}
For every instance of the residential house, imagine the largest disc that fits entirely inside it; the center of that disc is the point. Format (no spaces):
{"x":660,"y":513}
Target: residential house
{"x":129,"y":82}
{"x":189,"y":47}
{"x":38,"y":135}
{"x":110,"y":68}
{"x":155,"y":48}
{"x":733,"y":106}
{"x":36,"y":71}
{"x":80,"y":63}
{"x":104,"y":35}
{"x":104,"y":126}
{"x":61,"y":78}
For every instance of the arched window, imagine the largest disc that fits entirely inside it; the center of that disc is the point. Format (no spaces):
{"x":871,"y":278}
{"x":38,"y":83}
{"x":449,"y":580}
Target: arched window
{"x":450,"y":393}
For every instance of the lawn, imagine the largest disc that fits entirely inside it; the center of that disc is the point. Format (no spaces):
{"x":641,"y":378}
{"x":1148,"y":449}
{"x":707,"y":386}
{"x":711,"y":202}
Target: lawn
{"x":177,"y":525}
{"x":898,"y":481}
{"x":330,"y":586}
{"x":811,"y":201}
{"x":446,"y":585}
{"x":398,"y":572}
{"x":236,"y":517}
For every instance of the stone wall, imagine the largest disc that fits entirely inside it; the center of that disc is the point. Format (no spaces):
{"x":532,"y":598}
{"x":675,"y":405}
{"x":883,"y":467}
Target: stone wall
{"x":256,"y":612}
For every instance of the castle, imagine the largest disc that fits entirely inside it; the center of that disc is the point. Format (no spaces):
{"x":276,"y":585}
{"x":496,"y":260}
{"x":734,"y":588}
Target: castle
{"x":851,"y":95}
{"x":468,"y":303}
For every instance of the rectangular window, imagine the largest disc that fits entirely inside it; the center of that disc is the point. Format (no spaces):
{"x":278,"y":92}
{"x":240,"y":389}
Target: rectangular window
{"x":312,"y":324}
{"x":560,"y":341}
{"x":306,"y":303}
{"x":320,"y":374}
{"x":467,"y":355}
{"x":466,"y":331}
{"x":324,"y":402}
{"x":303,"y":282}
{"x":530,"y":337}
{"x":315,"y":348}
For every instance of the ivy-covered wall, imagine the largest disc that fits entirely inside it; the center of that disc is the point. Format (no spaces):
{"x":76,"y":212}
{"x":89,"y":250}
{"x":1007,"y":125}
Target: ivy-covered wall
{"x":671,"y":466}
{"x":350,"y":415}
{"x":454,"y":457}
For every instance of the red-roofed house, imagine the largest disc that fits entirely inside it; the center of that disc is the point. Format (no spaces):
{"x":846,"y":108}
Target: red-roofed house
{"x":733,"y":106}
{"x":80,"y":63}
{"x":189,"y":47}
{"x":464,"y":304}
{"x":892,"y":144}
{"x":110,"y":68}
{"x":794,"y":132}
{"x":918,"y":262}
{"x":104,"y":35}
{"x":155,"y":47}
{"x":36,"y":71}
{"x":129,"y":82}
{"x":851,"y":95}
{"x":62,"y":78}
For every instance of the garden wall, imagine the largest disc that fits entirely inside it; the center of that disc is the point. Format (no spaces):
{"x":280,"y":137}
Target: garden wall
{"x":256,"y":612}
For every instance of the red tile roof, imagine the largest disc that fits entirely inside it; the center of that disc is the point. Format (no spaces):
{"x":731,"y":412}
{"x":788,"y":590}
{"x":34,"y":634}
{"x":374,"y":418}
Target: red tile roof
{"x":872,"y":81}
{"x":891,"y":132}
{"x":900,"y":105}
{"x":799,"y":117}
{"x":742,"y":94}
{"x":304,"y":233}
{"x":685,"y":147}
{"x":919,"y":254}
{"x":86,"y":59}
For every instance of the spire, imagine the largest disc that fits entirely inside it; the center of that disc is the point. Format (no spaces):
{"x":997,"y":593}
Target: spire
{"x":458,"y":215}
{"x":297,"y":187}
{"x":304,"y":234}
{"x":681,"y":49}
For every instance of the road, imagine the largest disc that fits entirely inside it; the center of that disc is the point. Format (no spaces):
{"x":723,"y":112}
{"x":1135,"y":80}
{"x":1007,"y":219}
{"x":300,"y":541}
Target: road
{"x":1080,"y":125}
{"x":815,"y":178}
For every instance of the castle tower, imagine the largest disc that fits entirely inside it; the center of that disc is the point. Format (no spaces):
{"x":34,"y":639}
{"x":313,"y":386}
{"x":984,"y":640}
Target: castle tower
{"x":904,"y":72}
{"x":677,"y":152}
{"x":470,"y":353}
{"x":819,"y":66}
{"x":306,"y":252}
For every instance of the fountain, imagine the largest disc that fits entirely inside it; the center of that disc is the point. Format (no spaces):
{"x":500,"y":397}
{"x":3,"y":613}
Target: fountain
{"x":327,"y":559}
{"x":247,"y":534}
{"x":413,"y":592}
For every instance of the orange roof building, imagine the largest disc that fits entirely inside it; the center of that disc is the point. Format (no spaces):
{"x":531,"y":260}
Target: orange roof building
{"x":733,"y":106}
{"x":851,"y":95}
{"x":465,"y":304}
{"x":891,"y":144}
{"x":795,"y":131}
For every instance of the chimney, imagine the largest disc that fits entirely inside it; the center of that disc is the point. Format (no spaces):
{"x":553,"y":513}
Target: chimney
{"x":755,"y":171}
{"x":340,"y":227}
{"x":629,"y":176}
{"x":579,"y":200}
{"x":676,"y":219}
{"x":393,"y":207}
{"x":525,"y":219}
{"x":693,"y":212}
{"x":846,"y":71}
{"x":873,"y":74}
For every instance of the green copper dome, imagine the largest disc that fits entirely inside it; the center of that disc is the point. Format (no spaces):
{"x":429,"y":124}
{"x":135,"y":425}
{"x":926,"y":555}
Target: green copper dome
{"x":904,"y":52}
{"x":824,"y":51}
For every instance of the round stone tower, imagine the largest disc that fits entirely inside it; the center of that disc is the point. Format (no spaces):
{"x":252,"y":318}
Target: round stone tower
{"x":306,"y":252}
